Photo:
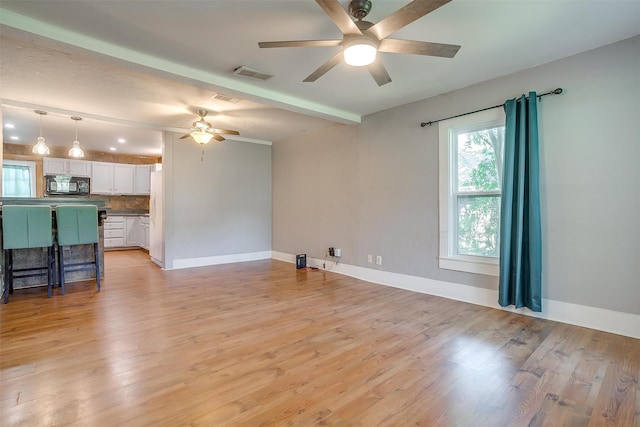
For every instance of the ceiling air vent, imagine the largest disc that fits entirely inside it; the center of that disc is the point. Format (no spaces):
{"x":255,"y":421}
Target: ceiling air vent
{"x":251,"y":73}
{"x":223,"y":97}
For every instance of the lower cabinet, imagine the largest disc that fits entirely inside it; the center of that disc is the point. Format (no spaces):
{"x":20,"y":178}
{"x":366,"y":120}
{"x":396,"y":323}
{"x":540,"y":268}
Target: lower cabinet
{"x":132,"y":231}
{"x":144,"y":227}
{"x":122,"y":231}
{"x":114,"y":231}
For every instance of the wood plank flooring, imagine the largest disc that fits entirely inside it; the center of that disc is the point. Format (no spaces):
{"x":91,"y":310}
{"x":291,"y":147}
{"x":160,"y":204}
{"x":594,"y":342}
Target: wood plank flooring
{"x":259,"y":344}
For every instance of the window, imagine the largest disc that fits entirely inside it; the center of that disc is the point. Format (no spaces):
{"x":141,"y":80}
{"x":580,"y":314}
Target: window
{"x":471,"y":153}
{"x":18,"y":178}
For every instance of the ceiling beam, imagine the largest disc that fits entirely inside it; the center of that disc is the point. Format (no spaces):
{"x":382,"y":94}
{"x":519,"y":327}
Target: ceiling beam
{"x":250,"y":92}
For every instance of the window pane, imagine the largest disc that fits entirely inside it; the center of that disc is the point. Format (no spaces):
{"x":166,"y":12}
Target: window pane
{"x":477,"y":153}
{"x":478,"y":225}
{"x":16,"y":181}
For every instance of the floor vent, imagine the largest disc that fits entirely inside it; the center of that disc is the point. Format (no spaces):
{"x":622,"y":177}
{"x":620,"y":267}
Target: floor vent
{"x":251,"y":73}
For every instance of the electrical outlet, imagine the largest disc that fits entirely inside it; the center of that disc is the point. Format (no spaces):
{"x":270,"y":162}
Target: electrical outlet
{"x":369,"y":258}
{"x":379,"y":259}
{"x":331,"y":251}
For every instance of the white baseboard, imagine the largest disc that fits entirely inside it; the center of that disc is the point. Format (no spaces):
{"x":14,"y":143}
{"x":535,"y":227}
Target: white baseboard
{"x":626,"y":324}
{"x":220,"y":259}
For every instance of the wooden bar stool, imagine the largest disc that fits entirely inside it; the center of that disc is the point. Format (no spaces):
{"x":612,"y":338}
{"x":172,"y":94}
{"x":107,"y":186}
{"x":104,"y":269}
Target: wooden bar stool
{"x":77,"y":225}
{"x":26,"y":227}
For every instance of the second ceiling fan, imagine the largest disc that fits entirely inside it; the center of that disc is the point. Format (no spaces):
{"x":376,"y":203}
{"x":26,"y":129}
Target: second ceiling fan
{"x":202,"y":132}
{"x":362,"y":39}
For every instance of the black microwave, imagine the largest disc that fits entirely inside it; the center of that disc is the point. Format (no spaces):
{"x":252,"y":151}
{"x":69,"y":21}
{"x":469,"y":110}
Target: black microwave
{"x":65,"y":185}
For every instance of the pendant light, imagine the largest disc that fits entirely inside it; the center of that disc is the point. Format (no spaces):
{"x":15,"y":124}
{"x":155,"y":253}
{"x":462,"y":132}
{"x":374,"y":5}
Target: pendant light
{"x":76,"y":151}
{"x":41,"y":147}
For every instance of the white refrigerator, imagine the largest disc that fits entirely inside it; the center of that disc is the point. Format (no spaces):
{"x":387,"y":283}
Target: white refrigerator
{"x":156,"y":220}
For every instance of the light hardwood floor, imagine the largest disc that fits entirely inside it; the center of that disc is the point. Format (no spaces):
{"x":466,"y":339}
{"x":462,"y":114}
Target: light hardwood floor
{"x":258,"y":343}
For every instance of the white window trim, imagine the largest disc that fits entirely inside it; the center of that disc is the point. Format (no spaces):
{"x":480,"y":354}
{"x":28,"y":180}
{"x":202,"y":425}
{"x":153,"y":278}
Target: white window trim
{"x":447,"y":258}
{"x":32,"y":171}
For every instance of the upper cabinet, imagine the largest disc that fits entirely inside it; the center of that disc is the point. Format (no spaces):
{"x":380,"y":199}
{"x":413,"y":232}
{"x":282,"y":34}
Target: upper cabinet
{"x":112,"y":178}
{"x":106,"y":178}
{"x":143,"y":179}
{"x":124,"y":176}
{"x":102,"y":178}
{"x":53,"y":166}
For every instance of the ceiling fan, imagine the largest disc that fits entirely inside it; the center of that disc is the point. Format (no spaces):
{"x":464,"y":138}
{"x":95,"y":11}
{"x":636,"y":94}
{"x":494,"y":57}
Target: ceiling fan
{"x":362,"y":39}
{"x":202,"y":132}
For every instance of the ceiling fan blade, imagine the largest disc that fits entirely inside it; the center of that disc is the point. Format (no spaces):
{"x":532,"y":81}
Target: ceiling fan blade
{"x":378,"y":72}
{"x":300,"y":43}
{"x":185,"y":136}
{"x":225,"y":131}
{"x":329,"y":64}
{"x":418,"y":48}
{"x":339,"y":16}
{"x":404,"y":16}
{"x":218,"y":137}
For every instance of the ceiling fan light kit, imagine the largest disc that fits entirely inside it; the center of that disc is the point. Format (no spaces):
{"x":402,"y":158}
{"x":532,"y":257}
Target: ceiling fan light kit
{"x":361,"y":40}
{"x":201,"y":136}
{"x":40,"y":147}
{"x":359,"y":51}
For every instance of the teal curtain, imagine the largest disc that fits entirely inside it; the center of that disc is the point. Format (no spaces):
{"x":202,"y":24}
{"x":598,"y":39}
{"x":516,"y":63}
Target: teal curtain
{"x":520,"y":234}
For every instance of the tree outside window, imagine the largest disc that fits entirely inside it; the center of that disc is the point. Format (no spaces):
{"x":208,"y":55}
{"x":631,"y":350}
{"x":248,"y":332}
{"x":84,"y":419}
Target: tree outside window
{"x":477,"y":191}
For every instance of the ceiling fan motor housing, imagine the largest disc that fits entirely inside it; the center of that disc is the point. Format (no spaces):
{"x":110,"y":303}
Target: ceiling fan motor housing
{"x":359,"y":8}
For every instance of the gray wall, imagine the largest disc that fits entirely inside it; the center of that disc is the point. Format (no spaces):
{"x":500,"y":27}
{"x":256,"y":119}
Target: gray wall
{"x":373,"y":188}
{"x":218,"y":203}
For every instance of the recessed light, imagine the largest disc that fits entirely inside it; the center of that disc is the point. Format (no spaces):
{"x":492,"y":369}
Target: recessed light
{"x":112,"y":148}
{"x":122,"y":140}
{"x":15,"y":138}
{"x":9,"y":125}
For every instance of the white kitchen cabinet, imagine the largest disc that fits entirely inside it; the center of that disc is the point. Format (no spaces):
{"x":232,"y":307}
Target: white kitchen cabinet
{"x":143,"y":179}
{"x":144,"y":228}
{"x":101,"y":178}
{"x":54,"y":166}
{"x":112,"y":178}
{"x":114,"y":231}
{"x":132,"y":231}
{"x":123,"y":178}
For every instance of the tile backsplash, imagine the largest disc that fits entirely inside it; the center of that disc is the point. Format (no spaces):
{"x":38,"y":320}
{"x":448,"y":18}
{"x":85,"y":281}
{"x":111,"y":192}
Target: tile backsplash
{"x":125,"y":203}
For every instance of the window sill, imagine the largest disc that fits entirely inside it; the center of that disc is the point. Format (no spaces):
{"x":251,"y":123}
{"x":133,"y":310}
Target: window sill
{"x":486,"y":266}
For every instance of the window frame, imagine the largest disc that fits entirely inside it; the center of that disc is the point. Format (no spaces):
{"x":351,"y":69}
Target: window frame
{"x":448,"y":258}
{"x":32,"y":173}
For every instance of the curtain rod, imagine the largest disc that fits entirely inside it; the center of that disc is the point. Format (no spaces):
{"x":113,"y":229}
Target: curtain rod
{"x":557,"y":91}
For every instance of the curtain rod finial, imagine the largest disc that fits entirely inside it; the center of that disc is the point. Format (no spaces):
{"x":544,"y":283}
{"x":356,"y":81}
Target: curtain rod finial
{"x":557,"y":91}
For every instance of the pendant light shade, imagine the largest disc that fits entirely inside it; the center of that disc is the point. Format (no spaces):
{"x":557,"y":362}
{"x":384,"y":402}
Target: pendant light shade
{"x":76,"y":151}
{"x":40,"y":147}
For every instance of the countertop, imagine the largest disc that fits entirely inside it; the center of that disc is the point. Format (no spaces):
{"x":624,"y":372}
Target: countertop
{"x":52,"y":201}
{"x":127,"y":212}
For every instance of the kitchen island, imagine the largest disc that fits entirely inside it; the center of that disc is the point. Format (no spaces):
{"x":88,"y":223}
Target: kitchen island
{"x":36,"y":257}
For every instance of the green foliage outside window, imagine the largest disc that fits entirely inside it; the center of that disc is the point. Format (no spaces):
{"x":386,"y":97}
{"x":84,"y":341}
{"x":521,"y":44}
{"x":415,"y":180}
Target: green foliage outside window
{"x":478,"y":187}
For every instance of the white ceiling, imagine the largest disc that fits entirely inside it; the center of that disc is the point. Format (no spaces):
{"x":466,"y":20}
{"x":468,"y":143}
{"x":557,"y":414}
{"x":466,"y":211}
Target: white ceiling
{"x":132,"y":68}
